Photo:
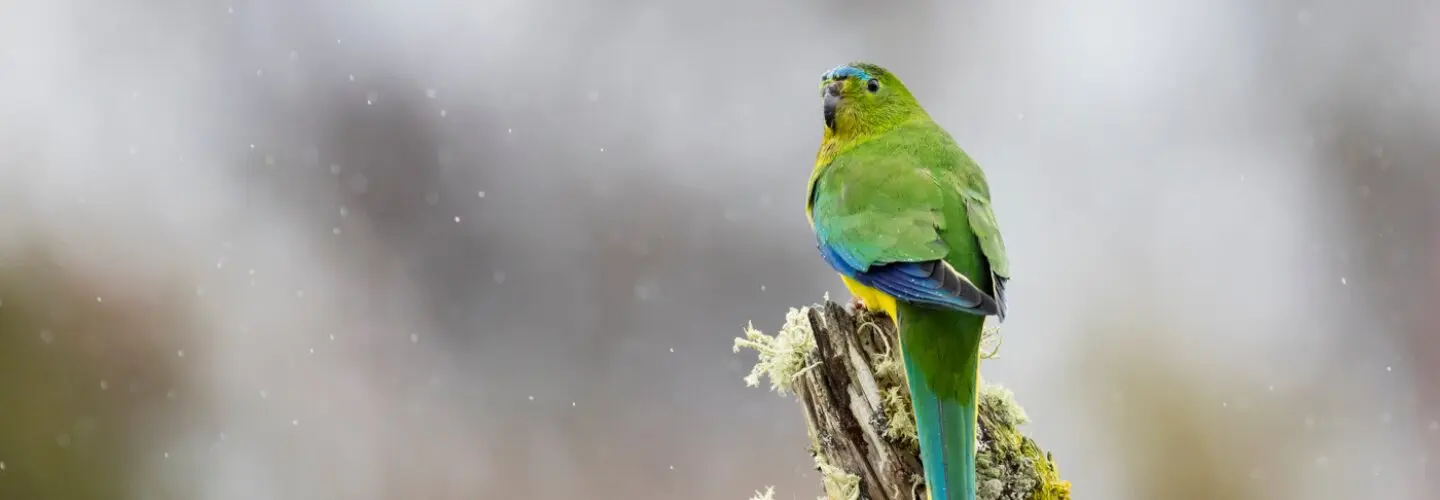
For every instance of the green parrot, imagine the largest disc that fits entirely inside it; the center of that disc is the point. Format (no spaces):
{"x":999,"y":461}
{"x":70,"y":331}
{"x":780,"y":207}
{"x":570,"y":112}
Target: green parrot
{"x":903,"y":214}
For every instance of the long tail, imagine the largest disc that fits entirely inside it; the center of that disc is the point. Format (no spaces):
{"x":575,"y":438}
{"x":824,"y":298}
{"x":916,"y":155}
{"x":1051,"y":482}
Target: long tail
{"x":941,"y":351}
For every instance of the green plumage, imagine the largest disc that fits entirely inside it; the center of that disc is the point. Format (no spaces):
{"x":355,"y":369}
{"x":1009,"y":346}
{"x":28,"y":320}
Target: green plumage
{"x":893,"y":198}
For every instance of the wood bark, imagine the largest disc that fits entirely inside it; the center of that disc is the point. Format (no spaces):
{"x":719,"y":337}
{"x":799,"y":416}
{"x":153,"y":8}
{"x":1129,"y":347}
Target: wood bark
{"x":852,"y":391}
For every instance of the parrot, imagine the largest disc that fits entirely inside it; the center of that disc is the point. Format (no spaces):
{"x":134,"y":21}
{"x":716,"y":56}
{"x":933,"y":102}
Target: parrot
{"x":903,"y":214}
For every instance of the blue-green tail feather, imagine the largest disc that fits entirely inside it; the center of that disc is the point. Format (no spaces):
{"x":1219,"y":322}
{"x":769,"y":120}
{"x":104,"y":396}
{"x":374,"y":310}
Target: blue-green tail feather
{"x":945,"y":424}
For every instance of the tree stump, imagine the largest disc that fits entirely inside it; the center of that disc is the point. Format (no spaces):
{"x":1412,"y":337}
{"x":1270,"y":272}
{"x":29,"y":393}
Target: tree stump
{"x":844,"y":368}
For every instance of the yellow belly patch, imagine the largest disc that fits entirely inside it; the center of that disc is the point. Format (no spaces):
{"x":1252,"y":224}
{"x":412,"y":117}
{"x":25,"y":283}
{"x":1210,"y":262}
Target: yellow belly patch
{"x":875,"y":300}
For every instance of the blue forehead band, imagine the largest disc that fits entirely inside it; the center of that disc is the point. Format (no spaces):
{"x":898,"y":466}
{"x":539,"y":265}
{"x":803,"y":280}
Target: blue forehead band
{"x":843,"y":72}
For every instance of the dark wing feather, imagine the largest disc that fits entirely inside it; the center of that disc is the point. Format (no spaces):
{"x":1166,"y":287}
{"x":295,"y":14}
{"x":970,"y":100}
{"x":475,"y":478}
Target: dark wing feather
{"x":931,"y":283}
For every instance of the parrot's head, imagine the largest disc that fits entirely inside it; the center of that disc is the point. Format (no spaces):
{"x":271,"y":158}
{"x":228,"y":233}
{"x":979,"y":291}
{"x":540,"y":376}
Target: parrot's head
{"x":863,"y":98}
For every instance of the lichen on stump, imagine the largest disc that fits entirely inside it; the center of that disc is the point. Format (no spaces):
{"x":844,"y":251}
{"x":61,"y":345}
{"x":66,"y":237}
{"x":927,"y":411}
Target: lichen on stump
{"x":843,"y":366}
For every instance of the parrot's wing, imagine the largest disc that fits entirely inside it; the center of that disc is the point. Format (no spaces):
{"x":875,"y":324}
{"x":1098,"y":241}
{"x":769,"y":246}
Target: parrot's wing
{"x":880,"y":224}
{"x":987,"y":231}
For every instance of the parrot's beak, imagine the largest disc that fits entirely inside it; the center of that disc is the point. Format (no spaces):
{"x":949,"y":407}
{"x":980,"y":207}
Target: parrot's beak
{"x":832,"y":100}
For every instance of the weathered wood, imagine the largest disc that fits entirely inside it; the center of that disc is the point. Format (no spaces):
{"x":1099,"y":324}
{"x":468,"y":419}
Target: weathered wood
{"x":844,"y":370}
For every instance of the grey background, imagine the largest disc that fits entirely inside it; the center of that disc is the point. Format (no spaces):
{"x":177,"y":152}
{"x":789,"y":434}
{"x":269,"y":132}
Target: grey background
{"x":245,"y":254}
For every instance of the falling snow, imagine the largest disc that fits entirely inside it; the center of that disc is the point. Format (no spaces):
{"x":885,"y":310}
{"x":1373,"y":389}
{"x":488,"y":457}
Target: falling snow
{"x":385,"y":271}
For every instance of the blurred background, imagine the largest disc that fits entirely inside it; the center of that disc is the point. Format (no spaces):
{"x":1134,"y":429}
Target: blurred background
{"x":325,"y":249}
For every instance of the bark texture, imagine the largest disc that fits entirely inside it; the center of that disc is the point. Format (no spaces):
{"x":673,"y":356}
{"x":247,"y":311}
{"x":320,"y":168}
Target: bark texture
{"x":843,"y":366}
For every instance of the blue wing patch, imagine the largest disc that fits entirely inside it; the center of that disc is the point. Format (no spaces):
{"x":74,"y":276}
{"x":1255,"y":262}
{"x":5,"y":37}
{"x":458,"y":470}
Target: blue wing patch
{"x":931,"y":283}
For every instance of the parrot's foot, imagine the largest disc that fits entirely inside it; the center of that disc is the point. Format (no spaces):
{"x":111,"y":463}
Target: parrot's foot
{"x":857,"y":305}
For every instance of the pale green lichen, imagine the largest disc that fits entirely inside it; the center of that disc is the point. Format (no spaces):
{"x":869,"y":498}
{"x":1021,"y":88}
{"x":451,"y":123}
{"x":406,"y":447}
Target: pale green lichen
{"x":1010,"y":466}
{"x":781,"y":357}
{"x":768,"y":494}
{"x":1002,"y":406}
{"x":894,"y":397}
{"x":838,"y":483}
{"x":899,"y":419}
{"x":990,"y":337}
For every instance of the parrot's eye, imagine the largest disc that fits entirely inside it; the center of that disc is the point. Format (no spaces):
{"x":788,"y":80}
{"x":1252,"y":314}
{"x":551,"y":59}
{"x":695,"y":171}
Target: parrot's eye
{"x":873,"y":85}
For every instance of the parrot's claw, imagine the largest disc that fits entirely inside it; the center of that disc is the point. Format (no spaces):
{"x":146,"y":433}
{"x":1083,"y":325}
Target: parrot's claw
{"x":857,"y":305}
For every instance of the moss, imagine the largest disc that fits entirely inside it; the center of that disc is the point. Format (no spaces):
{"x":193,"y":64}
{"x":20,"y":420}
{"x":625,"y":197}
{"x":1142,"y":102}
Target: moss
{"x":782,"y":357}
{"x":899,"y":419}
{"x":1009,"y":464}
{"x":838,"y":483}
{"x":990,"y":340}
{"x":1000,"y":406}
{"x":894,"y":397}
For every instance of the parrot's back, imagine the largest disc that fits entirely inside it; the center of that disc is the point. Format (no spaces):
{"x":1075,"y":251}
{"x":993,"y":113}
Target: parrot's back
{"x":883,"y":172}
